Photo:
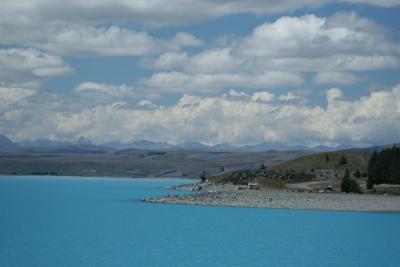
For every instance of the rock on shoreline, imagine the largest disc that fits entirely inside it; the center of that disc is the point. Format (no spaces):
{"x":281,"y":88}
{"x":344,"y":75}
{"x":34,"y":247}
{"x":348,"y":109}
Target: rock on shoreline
{"x":229,"y":196}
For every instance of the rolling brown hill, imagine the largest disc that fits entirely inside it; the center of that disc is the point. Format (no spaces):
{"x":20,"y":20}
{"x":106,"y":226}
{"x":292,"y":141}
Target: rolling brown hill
{"x":355,"y":161}
{"x":97,"y":161}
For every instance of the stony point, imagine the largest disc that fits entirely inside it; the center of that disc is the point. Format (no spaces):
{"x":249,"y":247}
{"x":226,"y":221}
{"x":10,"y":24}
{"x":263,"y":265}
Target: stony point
{"x":348,"y":182}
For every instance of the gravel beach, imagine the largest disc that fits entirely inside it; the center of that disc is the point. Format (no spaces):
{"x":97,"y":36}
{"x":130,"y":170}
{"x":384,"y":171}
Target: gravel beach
{"x":229,"y":195}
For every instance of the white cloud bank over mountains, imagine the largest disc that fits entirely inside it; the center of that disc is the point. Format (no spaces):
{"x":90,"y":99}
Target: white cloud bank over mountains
{"x":237,"y":118}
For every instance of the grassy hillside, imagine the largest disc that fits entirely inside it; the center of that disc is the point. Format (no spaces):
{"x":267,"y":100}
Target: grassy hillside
{"x":355,"y":161}
{"x":134,"y":163}
{"x":312,"y":171}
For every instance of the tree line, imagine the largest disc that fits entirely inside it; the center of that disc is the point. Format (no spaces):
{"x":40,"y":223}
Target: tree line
{"x":384,"y":167}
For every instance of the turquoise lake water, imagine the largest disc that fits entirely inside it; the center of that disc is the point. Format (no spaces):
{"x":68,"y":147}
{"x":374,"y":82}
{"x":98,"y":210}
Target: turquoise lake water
{"x":55,"y":221}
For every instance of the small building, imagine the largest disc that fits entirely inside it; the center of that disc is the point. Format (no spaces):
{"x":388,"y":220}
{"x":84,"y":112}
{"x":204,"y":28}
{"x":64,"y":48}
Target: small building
{"x":196,"y":187}
{"x":253,"y":186}
{"x":329,"y":189}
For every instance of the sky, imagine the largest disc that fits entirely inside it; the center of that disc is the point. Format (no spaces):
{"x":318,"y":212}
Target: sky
{"x":306,"y":72}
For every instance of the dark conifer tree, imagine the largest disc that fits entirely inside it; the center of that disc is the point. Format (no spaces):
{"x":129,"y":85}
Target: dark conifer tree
{"x":203,"y":177}
{"x":372,"y":170}
{"x":342,"y":161}
{"x":349,"y":185}
{"x":384,"y":167}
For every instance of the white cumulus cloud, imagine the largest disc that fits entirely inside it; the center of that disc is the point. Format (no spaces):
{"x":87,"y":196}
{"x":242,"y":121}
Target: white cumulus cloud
{"x":151,"y":12}
{"x":336,"y":77}
{"x":19,"y":65}
{"x":10,"y":96}
{"x":97,"y":93}
{"x":209,"y":83}
{"x":236,"y":118}
{"x":336,"y":48}
{"x":81,"y":40}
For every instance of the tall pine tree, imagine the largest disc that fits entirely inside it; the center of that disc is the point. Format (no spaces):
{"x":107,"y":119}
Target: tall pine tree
{"x":372,"y":170}
{"x":384,"y":167}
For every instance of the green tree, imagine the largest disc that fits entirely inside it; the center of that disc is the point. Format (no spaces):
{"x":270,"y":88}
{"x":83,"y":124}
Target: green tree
{"x":327,"y":157}
{"x":203,"y":177}
{"x":372,"y":170}
{"x":349,"y":185}
{"x":383,"y":167}
{"x":342,"y":161}
{"x":262,"y":167}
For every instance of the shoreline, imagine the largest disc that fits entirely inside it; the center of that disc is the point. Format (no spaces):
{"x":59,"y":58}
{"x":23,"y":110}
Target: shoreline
{"x":230,"y":196}
{"x":98,"y":177}
{"x":248,"y":207}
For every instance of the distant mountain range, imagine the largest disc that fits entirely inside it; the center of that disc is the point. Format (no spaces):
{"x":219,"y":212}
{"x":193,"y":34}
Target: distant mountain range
{"x":140,"y":144}
{"x":6,"y":145}
{"x":52,"y":143}
{"x":369,"y":150}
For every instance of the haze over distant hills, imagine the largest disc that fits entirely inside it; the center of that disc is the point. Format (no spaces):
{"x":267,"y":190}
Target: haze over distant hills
{"x":100,"y":161}
{"x":145,"y":158}
{"x":6,"y":145}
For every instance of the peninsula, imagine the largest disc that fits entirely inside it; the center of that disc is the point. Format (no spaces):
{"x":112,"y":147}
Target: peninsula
{"x":229,"y":196}
{"x":334,"y":182}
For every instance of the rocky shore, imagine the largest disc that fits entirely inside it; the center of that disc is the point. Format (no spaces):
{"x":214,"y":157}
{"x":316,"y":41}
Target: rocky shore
{"x":232,"y":196}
